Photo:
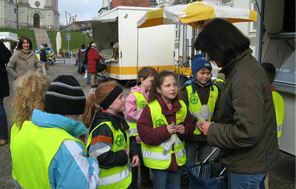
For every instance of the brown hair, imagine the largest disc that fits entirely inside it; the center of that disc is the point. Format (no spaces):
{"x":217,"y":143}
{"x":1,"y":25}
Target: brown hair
{"x":101,"y":93}
{"x":29,"y":94}
{"x":157,"y":82}
{"x":146,"y":72}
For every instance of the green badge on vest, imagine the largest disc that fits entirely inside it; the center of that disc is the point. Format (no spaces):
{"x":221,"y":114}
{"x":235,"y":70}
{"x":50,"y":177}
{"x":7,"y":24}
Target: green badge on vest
{"x":159,"y":122}
{"x":142,"y":104}
{"x":193,"y":99}
{"x":119,"y":140}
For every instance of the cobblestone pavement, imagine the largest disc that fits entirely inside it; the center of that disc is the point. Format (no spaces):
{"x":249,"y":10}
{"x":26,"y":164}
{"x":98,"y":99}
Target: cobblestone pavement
{"x":282,"y":177}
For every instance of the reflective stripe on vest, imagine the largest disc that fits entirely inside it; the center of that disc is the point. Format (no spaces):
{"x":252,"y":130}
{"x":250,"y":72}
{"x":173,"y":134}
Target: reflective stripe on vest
{"x":118,"y":176}
{"x":279,"y":113}
{"x":141,"y":103}
{"x":154,"y":156}
{"x":195,"y":104}
{"x":40,"y":146}
{"x":219,"y":80}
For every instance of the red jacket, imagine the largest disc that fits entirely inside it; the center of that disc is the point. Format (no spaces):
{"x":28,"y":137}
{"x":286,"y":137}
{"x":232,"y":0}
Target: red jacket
{"x":93,"y":57}
{"x":160,"y":134}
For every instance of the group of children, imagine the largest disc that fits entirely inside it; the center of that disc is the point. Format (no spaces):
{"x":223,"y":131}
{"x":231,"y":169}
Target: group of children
{"x":149,"y":128}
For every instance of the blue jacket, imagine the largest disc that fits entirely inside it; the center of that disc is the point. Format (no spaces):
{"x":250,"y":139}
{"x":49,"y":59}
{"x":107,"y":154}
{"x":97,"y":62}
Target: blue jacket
{"x":69,"y":168}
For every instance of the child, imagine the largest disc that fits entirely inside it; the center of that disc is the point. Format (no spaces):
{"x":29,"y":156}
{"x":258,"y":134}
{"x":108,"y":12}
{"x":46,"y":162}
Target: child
{"x":279,"y":106}
{"x":109,"y":138}
{"x":134,"y":104}
{"x":45,"y":152}
{"x":200,"y":93}
{"x":162,"y":125}
{"x":278,"y":100}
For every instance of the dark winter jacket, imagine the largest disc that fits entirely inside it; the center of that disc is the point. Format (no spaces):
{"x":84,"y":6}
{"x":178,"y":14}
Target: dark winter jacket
{"x":43,"y":57}
{"x":92,"y":57}
{"x":102,"y":137}
{"x":5,"y":54}
{"x":203,"y":94}
{"x":81,"y":55}
{"x":160,"y":134}
{"x":246,"y":130}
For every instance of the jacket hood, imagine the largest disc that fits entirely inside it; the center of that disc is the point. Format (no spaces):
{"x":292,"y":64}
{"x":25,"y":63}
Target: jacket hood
{"x":228,"y":67}
{"x":138,"y":89}
{"x":47,"y":120}
{"x":82,"y":50}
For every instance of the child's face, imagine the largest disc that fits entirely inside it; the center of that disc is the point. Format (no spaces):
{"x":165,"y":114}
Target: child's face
{"x":203,"y":75}
{"x":147,"y":83}
{"x":118,"y":105}
{"x":168,"y":89}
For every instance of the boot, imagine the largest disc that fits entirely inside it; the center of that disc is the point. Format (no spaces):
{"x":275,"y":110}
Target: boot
{"x":135,"y":177}
{"x":145,"y":175}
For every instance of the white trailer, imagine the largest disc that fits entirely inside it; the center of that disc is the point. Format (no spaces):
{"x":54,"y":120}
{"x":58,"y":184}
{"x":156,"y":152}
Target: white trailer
{"x":137,"y":48}
{"x":276,"y":44}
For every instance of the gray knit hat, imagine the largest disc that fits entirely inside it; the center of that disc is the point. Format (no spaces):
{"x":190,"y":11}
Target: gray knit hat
{"x":65,"y":96}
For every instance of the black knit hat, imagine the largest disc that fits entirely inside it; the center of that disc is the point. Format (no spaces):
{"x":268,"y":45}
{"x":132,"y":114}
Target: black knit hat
{"x":64,"y":96}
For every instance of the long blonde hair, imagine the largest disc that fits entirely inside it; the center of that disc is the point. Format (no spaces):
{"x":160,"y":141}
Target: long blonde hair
{"x":101,"y":93}
{"x":29,"y":94}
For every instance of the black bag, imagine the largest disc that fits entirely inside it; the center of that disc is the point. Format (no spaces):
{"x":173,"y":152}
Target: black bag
{"x":100,"y":67}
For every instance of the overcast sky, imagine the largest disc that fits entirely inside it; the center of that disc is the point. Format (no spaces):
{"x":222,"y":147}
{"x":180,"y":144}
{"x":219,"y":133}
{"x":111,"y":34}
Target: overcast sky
{"x":84,"y":9}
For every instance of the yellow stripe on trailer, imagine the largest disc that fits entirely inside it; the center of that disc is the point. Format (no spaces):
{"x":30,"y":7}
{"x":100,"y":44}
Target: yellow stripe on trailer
{"x":133,"y":69}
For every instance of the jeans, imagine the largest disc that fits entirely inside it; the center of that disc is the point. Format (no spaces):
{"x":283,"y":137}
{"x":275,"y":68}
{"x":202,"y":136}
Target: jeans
{"x":195,"y":151}
{"x":88,"y":74}
{"x":3,"y":121}
{"x":166,"y":179}
{"x":244,"y":181}
{"x":43,"y":67}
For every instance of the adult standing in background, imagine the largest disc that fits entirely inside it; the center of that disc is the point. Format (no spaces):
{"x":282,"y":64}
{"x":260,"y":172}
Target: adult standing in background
{"x":81,"y":58}
{"x":93,"y":57}
{"x":246,"y":129}
{"x":86,"y":63}
{"x":43,"y":58}
{"x":5,"y":54}
{"x":23,"y":59}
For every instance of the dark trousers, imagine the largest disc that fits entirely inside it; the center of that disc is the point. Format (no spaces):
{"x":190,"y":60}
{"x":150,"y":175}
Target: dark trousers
{"x":3,"y":121}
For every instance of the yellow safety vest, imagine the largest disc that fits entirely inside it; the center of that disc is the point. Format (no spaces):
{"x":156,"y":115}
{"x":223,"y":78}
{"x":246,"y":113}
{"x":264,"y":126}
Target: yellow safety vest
{"x":141,"y":103}
{"x":153,"y":156}
{"x":118,"y":176}
{"x":195,"y":104}
{"x":219,"y":80}
{"x":32,"y":150}
{"x":279,"y":113}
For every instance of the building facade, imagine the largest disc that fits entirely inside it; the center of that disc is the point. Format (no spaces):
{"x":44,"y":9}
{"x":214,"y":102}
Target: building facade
{"x":28,"y":14}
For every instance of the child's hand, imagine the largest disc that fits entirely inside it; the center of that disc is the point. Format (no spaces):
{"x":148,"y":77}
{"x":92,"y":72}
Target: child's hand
{"x":171,"y":129}
{"x":181,"y":129}
{"x":138,"y":139}
{"x":127,"y":152}
{"x":135,"y":161}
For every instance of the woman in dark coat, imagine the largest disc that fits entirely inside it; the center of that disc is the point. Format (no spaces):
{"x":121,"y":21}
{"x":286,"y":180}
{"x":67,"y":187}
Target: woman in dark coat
{"x":5,"y":54}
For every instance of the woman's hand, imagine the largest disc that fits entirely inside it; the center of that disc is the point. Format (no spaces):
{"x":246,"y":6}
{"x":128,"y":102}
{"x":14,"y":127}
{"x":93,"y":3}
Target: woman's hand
{"x":135,"y":161}
{"x":203,"y":126}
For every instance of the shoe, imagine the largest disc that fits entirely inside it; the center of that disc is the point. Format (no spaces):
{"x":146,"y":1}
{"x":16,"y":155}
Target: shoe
{"x":3,"y":142}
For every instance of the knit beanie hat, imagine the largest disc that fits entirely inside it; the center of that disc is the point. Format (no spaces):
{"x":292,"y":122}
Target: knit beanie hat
{"x":198,"y":63}
{"x":65,"y":96}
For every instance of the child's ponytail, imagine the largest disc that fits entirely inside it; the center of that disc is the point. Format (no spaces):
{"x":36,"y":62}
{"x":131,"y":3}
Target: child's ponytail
{"x":89,"y":111}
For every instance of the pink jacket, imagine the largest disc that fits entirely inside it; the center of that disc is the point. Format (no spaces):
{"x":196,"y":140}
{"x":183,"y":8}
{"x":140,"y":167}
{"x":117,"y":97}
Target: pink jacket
{"x":131,"y":112}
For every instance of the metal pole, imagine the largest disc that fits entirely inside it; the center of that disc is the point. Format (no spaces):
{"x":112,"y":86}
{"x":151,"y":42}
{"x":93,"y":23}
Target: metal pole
{"x":184,"y":53}
{"x":68,"y":49}
{"x":137,"y":53}
{"x":260,"y":31}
